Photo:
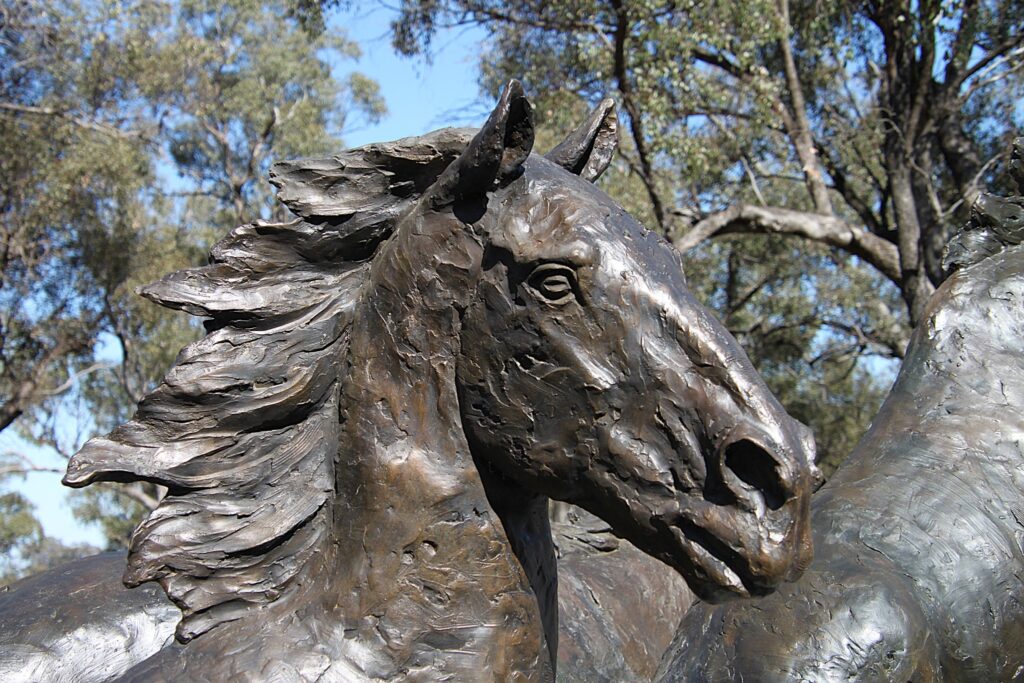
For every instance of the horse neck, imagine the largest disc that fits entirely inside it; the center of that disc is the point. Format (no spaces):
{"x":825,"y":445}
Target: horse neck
{"x":421,"y":553}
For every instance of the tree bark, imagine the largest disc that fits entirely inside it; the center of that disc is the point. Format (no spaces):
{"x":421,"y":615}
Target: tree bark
{"x":914,"y":284}
{"x":750,"y":219}
{"x":797,"y":124}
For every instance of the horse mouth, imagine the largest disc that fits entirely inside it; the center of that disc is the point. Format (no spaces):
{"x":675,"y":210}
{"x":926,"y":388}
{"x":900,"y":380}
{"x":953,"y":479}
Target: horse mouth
{"x":716,"y":571}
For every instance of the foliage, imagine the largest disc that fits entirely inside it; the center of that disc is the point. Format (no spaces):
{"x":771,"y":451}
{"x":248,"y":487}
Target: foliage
{"x":132,"y":134}
{"x":24,"y":548}
{"x":67,"y":186}
{"x":19,"y":531}
{"x":863,"y":129}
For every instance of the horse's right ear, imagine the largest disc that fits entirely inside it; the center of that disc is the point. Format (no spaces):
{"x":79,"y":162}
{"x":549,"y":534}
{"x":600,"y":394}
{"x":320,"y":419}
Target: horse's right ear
{"x":496,"y":153}
{"x":588,"y":150}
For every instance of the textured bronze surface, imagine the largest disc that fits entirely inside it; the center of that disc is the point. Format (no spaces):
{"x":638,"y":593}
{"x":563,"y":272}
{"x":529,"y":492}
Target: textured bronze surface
{"x":79,"y":624}
{"x":359,"y":455}
{"x":617,"y":606}
{"x":616,"y":609}
{"x":919,"y":537}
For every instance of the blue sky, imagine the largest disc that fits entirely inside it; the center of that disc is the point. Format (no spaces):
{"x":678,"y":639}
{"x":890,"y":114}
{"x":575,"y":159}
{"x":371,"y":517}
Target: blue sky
{"x":420,"y":97}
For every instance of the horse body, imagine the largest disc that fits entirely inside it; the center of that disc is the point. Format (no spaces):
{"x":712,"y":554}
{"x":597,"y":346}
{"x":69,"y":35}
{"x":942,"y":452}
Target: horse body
{"x":79,"y":624}
{"x":359,"y":455}
{"x":602,"y":635}
{"x":919,"y":536}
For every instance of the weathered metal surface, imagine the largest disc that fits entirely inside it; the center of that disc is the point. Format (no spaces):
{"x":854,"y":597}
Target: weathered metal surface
{"x":617,"y":606}
{"x":616,"y":609}
{"x":919,"y":537}
{"x":359,"y":455}
{"x":79,"y":624}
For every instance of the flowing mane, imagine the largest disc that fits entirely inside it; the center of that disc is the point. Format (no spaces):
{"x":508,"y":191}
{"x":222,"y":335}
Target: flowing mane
{"x":244,"y":429}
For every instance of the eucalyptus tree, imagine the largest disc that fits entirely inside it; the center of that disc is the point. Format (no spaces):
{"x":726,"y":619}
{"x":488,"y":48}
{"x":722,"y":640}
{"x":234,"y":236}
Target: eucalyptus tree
{"x":133,"y":132}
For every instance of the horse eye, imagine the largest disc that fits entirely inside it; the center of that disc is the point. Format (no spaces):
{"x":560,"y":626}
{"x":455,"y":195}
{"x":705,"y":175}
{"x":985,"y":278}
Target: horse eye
{"x":555,"y":282}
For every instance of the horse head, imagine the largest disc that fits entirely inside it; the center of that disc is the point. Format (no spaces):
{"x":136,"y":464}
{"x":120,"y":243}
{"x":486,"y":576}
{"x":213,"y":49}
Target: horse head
{"x":589,"y":372}
{"x":453,"y":327}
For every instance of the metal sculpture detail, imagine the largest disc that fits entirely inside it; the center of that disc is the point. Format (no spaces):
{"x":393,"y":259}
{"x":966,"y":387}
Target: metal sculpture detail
{"x":359,"y":455}
{"x":919,"y":537}
{"x":617,"y":607}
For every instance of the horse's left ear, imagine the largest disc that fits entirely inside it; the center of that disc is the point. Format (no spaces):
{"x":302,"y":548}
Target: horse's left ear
{"x":496,"y":153}
{"x":588,"y":150}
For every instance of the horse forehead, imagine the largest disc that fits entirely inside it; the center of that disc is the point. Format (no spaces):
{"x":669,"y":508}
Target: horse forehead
{"x":557,"y":215}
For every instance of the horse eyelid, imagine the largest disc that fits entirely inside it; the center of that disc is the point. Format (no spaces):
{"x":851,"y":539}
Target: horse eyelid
{"x":555,"y":282}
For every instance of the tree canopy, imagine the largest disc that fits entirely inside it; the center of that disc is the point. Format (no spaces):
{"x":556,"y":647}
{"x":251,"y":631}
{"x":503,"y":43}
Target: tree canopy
{"x":810,"y":159}
{"x":132,"y":133}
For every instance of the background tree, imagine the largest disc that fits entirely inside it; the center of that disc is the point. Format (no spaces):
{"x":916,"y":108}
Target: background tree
{"x":24,"y":547}
{"x":865,"y":129}
{"x":133,"y":134}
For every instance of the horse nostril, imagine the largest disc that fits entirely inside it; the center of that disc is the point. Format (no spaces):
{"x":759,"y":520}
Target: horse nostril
{"x":757,"y":468}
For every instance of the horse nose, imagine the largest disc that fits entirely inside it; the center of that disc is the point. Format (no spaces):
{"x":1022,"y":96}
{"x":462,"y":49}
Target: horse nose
{"x":755,"y":470}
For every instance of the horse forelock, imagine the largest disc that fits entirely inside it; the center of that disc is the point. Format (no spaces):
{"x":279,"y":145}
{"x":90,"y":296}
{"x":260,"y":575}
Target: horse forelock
{"x":244,"y":429}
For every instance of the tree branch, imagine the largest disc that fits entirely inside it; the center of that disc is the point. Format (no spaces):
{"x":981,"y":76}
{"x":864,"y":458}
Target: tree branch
{"x":846,"y":190}
{"x":828,"y":230}
{"x":73,"y":378}
{"x":1000,"y":53}
{"x":136,"y":493}
{"x":962,"y":44}
{"x":134,"y":390}
{"x":24,"y":465}
{"x":797,"y":123}
{"x":97,"y":126}
{"x":635,"y":121}
{"x":28,"y":390}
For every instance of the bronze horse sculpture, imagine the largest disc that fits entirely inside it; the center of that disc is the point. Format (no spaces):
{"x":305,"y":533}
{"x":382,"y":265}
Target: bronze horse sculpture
{"x":360,"y":453}
{"x":919,"y":537}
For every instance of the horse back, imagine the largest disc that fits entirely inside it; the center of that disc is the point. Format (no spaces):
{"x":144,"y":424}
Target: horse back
{"x":79,"y":624}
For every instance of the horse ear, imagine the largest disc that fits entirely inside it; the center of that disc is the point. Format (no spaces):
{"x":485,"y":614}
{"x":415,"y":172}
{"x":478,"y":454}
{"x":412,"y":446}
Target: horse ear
{"x":496,"y":153}
{"x":588,"y":150}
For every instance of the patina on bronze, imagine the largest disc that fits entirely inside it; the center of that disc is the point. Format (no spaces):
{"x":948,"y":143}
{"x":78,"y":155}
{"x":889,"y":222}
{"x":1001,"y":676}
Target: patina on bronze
{"x":919,"y":537}
{"x":359,"y":455}
{"x":617,"y":607}
{"x":78,"y":624}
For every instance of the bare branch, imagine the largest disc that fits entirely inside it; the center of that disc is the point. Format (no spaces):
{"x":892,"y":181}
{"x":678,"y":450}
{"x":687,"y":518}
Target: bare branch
{"x":23,"y":465}
{"x":987,"y":77}
{"x":998,"y":54}
{"x":97,"y":126}
{"x":797,"y":123}
{"x":7,"y":470}
{"x":134,"y":384}
{"x":625,"y":87}
{"x":894,"y":345}
{"x":73,"y":378}
{"x":828,"y":230}
{"x":135,"y":492}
